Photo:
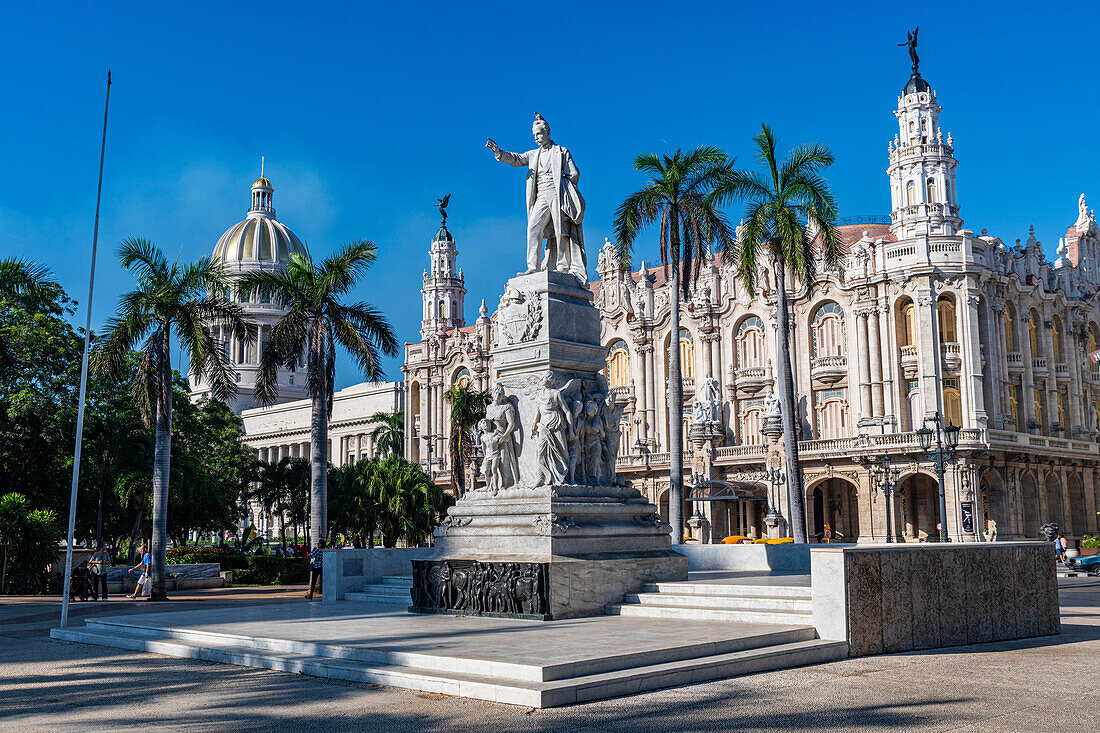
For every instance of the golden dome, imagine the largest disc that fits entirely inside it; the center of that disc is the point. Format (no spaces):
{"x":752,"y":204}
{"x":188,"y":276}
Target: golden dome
{"x":261,"y":182}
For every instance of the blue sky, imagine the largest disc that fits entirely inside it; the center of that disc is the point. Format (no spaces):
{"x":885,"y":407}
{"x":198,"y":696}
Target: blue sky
{"x":367,"y":113}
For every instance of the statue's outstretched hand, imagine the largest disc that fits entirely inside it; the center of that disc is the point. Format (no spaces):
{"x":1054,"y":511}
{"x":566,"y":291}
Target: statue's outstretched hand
{"x":491,"y":144}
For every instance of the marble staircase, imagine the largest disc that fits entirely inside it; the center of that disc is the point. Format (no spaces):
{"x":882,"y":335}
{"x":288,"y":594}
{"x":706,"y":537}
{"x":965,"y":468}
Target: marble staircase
{"x":392,"y":589}
{"x":722,"y":599}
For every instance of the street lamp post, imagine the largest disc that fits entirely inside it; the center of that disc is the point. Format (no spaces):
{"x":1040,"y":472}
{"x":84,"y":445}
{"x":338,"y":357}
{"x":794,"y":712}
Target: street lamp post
{"x":886,"y":479}
{"x":947,"y":441}
{"x":775,"y":479}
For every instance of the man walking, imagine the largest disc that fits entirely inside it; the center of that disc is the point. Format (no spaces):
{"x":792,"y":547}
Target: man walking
{"x":100,"y":561}
{"x":146,"y":561}
{"x":315,"y":570}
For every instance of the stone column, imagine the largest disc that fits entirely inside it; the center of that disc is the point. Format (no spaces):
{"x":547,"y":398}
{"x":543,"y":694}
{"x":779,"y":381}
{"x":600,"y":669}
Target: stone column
{"x":1028,"y":397}
{"x":1088,"y":483}
{"x":651,"y":387}
{"x":641,"y":391}
{"x":972,"y":363}
{"x":1076,"y":405}
{"x":996,"y":365}
{"x":359,"y":440}
{"x":890,"y":382}
{"x":874,"y":345}
{"x":716,"y":355}
{"x":1047,"y":333}
{"x":928,"y":352}
{"x":863,"y":348}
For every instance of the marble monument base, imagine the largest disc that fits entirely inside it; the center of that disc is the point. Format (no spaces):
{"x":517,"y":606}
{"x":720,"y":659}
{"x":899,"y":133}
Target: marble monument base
{"x":545,"y":553}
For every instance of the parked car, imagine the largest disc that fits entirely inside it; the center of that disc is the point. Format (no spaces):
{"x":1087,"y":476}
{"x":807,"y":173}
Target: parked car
{"x":1090,"y":564}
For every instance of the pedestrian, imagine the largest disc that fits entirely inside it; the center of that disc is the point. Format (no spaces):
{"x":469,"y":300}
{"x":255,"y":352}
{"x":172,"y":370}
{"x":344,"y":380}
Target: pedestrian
{"x":143,"y":580}
{"x":1060,"y":546}
{"x":315,"y":570}
{"x":100,"y":561}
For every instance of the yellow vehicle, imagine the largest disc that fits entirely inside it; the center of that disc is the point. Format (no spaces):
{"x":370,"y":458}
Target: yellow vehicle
{"x":736,"y":539}
{"x":779,"y":541}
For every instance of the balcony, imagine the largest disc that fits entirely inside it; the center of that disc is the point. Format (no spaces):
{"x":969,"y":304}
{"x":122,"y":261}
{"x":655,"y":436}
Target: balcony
{"x":829,"y":369}
{"x":1039,"y":367}
{"x":1015,"y":362}
{"x":952,"y":356}
{"x":909,"y":361}
{"x":749,"y":380}
{"x":1061,"y":372}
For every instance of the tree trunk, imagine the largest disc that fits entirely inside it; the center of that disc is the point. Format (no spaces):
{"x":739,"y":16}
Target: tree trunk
{"x":4,"y":572}
{"x":318,"y":488}
{"x":675,"y":398}
{"x":134,"y":534}
{"x":797,"y":508}
{"x":161,"y":466}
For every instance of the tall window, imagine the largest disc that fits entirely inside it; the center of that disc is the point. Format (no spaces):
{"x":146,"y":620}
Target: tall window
{"x":687,"y":355}
{"x":1010,"y":332}
{"x":752,"y":421}
{"x":948,"y":332}
{"x":618,"y":364}
{"x":1094,"y":345}
{"x":1014,"y":405}
{"x":1033,"y":332}
{"x":1039,"y":409}
{"x":915,"y":404}
{"x":750,"y":343}
{"x":831,"y":413}
{"x":910,"y":193}
{"x":931,"y":190}
{"x":1056,"y":337}
{"x":1062,"y":410}
{"x":828,"y":330}
{"x":907,"y":327}
{"x":952,"y":401}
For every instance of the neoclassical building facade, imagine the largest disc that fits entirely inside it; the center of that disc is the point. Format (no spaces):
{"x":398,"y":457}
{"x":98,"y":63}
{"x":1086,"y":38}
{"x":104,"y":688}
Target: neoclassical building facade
{"x":924,"y":317}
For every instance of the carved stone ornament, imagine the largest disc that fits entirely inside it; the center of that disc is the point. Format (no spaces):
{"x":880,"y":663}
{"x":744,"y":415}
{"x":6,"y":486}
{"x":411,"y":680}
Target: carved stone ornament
{"x":519,"y":317}
{"x":553,"y":525}
{"x":450,"y":522}
{"x":471,"y":587}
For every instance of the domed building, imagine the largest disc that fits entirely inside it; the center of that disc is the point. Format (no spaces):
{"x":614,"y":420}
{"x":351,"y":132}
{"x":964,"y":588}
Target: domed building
{"x":258,"y":243}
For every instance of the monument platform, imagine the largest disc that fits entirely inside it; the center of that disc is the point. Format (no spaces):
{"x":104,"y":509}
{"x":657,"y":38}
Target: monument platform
{"x":539,"y":664}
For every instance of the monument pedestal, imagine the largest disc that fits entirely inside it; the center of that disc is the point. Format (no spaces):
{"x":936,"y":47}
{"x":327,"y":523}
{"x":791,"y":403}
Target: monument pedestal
{"x":554,"y":533}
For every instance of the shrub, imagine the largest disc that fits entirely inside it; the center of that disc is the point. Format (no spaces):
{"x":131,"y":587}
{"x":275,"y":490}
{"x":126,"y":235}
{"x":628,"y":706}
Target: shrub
{"x":188,"y":555}
{"x":30,"y":540}
{"x":1090,"y":541}
{"x":265,"y":570}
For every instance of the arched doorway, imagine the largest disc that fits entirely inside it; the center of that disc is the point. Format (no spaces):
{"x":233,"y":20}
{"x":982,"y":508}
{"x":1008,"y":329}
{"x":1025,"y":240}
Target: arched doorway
{"x":836,"y":502}
{"x":994,"y":524}
{"x":920,"y":507}
{"x":1076,"y":510}
{"x":1029,"y":491}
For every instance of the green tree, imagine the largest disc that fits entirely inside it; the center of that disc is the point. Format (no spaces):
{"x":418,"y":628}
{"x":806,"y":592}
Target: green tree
{"x":790,"y":222}
{"x":679,"y":196}
{"x":467,"y":409}
{"x":32,"y":537}
{"x":315,"y":321}
{"x":389,"y":435}
{"x":411,"y":505}
{"x":188,"y":298}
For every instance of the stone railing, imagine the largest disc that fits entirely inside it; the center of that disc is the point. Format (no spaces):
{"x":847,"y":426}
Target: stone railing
{"x":1039,"y":363}
{"x":1061,"y":370}
{"x":625,"y":390}
{"x":1015,"y":360}
{"x":750,"y":373}
{"x":756,"y":450}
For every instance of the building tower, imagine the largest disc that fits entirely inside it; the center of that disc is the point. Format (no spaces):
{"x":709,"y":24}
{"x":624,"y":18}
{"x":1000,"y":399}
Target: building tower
{"x":258,"y":243}
{"x":444,"y":290}
{"x":922,"y":167}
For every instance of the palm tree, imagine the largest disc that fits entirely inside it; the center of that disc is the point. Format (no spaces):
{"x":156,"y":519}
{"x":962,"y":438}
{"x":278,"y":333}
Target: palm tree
{"x":190,"y":299}
{"x":24,"y":280}
{"x":389,"y":436}
{"x":467,"y":409}
{"x":791,"y":220}
{"x":680,"y":196}
{"x":409,"y":502}
{"x":315,"y":321}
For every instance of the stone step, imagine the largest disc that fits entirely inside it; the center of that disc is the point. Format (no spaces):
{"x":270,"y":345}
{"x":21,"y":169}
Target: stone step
{"x":756,"y":637}
{"x":756,"y":603}
{"x":401,"y":581}
{"x":729,"y":589}
{"x":402,"y":599}
{"x":703,"y":613}
{"x":496,"y":687}
{"x":388,"y":590}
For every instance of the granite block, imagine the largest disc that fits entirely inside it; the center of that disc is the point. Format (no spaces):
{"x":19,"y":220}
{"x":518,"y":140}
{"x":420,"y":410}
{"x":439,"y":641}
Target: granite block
{"x":864,"y":573}
{"x":976,"y":582}
{"x":897,"y":602}
{"x":926,"y":576}
{"x":954,"y":596}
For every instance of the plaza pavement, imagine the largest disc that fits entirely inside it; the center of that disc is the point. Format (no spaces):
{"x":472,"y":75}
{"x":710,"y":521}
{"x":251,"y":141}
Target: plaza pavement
{"x":1048,"y":683}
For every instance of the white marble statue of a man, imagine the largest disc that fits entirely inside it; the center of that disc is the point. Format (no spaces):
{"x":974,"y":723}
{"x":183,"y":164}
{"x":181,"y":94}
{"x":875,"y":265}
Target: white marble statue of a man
{"x":555,"y":207}
{"x":771,"y":405}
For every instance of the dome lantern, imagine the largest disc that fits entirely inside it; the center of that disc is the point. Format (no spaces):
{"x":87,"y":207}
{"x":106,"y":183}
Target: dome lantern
{"x":260,"y":239}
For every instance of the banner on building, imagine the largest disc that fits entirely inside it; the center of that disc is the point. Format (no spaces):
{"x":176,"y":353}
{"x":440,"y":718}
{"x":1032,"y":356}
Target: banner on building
{"x":967,"y":517}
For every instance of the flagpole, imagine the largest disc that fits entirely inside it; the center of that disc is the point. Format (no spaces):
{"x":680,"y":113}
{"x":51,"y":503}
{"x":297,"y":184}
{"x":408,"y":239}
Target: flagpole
{"x":84,"y":372}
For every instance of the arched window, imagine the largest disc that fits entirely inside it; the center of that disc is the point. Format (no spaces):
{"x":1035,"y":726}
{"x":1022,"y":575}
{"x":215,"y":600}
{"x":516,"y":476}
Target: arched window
{"x":1056,"y":338}
{"x":618,"y":364}
{"x":1014,"y":406}
{"x":1062,"y":409}
{"x":752,"y":421}
{"x":1010,"y":329}
{"x":440,"y":313}
{"x":463,"y":378}
{"x":454,"y":309}
{"x":1033,"y":332}
{"x":828,"y":330}
{"x":915,"y":404}
{"x":1094,"y":345}
{"x":948,"y":331}
{"x":831,"y":413}
{"x":952,"y":401}
{"x":910,"y":193}
{"x":931,"y":190}
{"x":907,"y":324}
{"x":1039,"y":408}
{"x":687,"y":355}
{"x":750,"y":343}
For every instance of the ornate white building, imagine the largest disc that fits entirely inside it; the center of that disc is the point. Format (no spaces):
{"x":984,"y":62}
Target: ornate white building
{"x":258,"y":243}
{"x":924,"y":316}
